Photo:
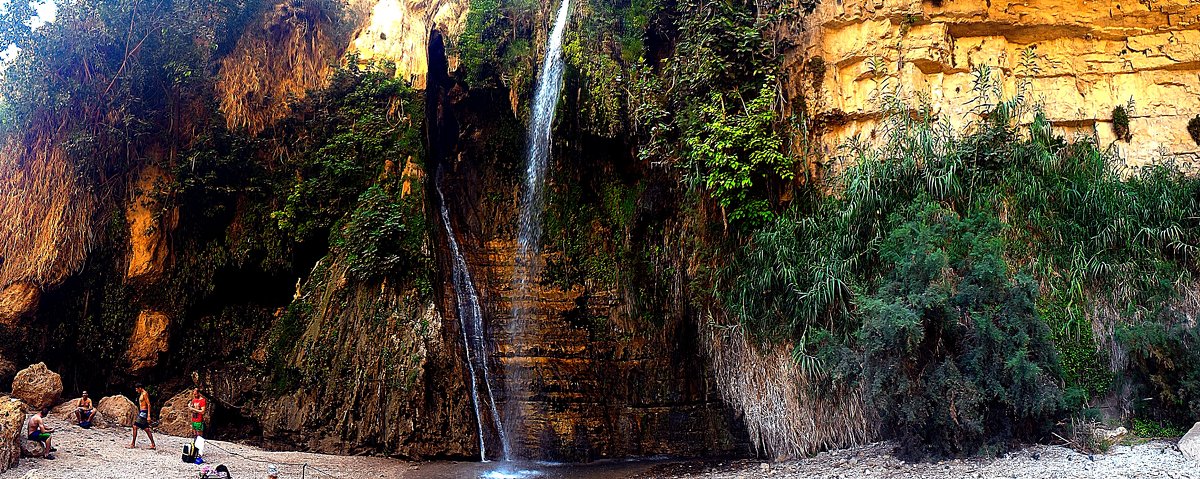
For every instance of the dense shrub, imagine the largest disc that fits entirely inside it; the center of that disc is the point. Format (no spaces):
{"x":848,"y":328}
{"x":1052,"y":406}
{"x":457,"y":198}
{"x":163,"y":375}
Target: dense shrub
{"x":1120,"y":123}
{"x":944,"y":266}
{"x":385,"y":235}
{"x":1166,"y":359}
{"x":956,"y":358}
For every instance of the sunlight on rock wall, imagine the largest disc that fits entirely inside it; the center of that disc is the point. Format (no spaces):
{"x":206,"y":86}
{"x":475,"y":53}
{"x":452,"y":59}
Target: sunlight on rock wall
{"x":1090,"y":58}
{"x":399,"y":31}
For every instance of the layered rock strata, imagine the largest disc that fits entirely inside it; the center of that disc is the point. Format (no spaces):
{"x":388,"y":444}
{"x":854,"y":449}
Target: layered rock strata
{"x":1078,"y":60}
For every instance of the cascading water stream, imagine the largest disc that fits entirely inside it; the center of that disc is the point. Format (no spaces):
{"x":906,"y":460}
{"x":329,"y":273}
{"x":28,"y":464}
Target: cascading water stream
{"x":470,"y":319}
{"x":541,"y":120}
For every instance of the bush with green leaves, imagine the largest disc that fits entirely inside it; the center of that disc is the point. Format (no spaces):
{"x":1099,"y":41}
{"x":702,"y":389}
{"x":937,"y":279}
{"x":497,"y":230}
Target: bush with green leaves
{"x":1044,"y":234}
{"x":1120,"y":123}
{"x":348,"y":131}
{"x":385,"y":236}
{"x":1165,"y":354}
{"x":956,"y":358}
{"x":734,"y":149}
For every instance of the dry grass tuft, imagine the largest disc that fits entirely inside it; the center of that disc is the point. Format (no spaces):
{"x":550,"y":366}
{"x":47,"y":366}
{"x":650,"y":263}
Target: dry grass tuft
{"x":45,"y":212}
{"x":786,"y":412}
{"x":276,"y":62}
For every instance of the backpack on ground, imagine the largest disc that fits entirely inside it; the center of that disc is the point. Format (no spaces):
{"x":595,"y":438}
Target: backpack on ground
{"x":221,"y":472}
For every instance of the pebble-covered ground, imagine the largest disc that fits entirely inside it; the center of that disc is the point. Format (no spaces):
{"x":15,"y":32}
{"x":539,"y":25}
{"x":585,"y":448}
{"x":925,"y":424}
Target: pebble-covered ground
{"x":1155,"y":459}
{"x":101,"y":453}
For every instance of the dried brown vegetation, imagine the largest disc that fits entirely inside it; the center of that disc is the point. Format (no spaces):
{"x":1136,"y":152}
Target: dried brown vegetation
{"x":47,"y":213}
{"x":276,"y":62}
{"x":785,"y":410}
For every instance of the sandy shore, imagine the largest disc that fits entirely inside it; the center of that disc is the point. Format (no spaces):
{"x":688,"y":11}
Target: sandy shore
{"x":101,"y":453}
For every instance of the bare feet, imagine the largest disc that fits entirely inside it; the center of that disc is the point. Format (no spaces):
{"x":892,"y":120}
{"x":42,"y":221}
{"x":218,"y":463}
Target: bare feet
{"x":153,"y":446}
{"x":131,"y":446}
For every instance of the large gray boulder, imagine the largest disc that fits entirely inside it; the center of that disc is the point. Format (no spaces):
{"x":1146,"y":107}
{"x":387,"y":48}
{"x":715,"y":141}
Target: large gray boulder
{"x":1190,"y":444}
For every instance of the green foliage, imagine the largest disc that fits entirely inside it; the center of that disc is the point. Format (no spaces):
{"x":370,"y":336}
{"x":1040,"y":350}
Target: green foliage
{"x":117,"y":75}
{"x":734,"y":152}
{"x":1193,"y":129}
{"x":386,"y":235}
{"x":349,"y":131}
{"x":921,"y":260}
{"x":1154,"y":429}
{"x":493,"y":43}
{"x":957,"y":359}
{"x":1166,"y":358}
{"x":793,"y":278}
{"x":1120,"y":123}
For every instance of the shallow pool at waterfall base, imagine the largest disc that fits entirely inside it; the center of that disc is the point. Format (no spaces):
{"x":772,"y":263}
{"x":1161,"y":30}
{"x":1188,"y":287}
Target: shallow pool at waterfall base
{"x":604,"y":469}
{"x":510,"y":474}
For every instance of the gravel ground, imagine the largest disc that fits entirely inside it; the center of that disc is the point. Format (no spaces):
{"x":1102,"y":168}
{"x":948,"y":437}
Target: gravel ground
{"x":101,"y":453}
{"x":1155,"y":459}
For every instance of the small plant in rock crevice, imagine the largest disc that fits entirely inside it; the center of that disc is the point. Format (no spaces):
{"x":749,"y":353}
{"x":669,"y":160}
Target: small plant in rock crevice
{"x":1120,"y":123}
{"x":1193,"y":129}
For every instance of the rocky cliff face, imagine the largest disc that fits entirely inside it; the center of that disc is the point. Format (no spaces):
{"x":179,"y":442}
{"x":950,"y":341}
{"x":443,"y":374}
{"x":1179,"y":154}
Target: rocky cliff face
{"x":593,"y":376}
{"x":1081,"y":60}
{"x":609,"y":359}
{"x":398,"y":31}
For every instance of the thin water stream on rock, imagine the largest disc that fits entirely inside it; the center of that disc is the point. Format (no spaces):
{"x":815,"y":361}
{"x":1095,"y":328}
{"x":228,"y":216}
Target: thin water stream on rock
{"x":470,"y":317}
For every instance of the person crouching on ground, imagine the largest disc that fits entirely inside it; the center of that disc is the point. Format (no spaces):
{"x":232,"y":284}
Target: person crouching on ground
{"x":143,"y":418}
{"x":197,"y":406}
{"x":84,"y":411}
{"x":40,"y":432}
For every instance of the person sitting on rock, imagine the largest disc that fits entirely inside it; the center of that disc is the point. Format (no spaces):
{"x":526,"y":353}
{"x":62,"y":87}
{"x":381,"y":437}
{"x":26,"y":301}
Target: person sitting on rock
{"x":143,"y":418}
{"x":84,"y":411}
{"x":40,"y":432}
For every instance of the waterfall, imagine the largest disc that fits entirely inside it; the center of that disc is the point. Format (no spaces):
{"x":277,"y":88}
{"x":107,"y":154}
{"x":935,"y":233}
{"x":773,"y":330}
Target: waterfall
{"x":541,"y":120}
{"x":470,"y":320}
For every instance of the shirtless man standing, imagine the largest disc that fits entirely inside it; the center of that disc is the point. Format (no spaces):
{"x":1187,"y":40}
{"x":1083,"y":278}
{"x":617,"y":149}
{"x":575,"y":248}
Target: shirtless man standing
{"x":40,"y":432}
{"x":143,"y":418}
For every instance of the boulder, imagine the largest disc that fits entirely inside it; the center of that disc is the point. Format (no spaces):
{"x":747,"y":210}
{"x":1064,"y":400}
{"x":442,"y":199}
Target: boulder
{"x":30,"y":448}
{"x":65,"y":410}
{"x":38,"y":386}
{"x":114,"y":411}
{"x":175,"y":419}
{"x":1189,"y":445}
{"x":12,"y":422}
